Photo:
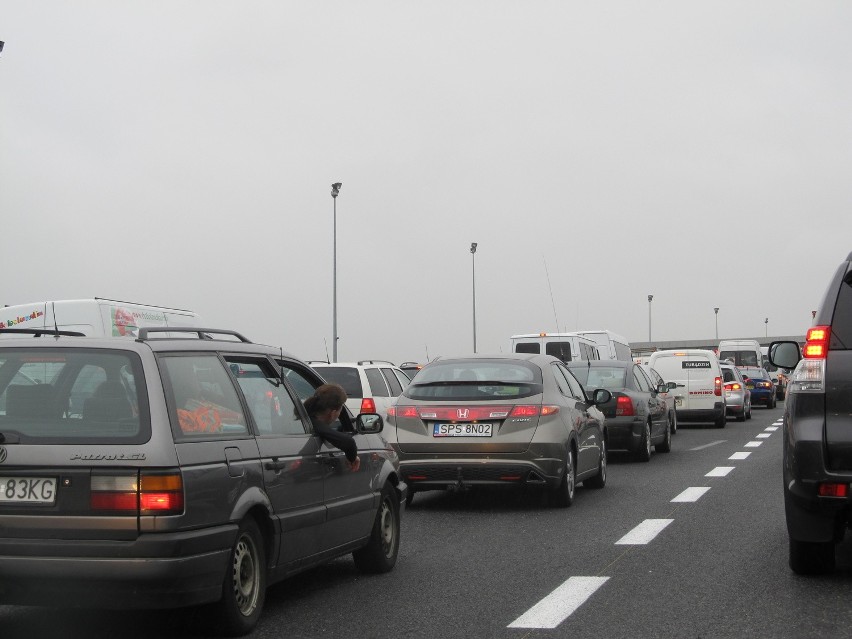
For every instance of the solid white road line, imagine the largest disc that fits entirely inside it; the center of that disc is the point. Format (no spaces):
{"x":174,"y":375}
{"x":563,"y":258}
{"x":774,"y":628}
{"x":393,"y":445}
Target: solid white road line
{"x":559,"y":604}
{"x":644,"y":532}
{"x":763,"y":435}
{"x":692,"y":493}
{"x":753,"y":444}
{"x":721,"y":441}
{"x":720,"y":471}
{"x":742,"y":455}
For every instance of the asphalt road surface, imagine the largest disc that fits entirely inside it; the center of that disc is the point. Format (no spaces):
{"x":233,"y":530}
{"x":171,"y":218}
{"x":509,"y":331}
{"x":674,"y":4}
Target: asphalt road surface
{"x":691,"y":544}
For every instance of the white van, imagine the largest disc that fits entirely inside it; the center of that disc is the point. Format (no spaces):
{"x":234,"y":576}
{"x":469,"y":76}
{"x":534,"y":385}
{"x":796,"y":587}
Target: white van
{"x":611,"y":345}
{"x":742,"y":352}
{"x":569,"y":347}
{"x":699,"y":393}
{"x":97,"y":317}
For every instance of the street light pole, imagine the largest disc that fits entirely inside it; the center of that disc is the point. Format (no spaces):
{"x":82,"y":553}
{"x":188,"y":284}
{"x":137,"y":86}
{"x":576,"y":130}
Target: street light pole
{"x":650,"y":299}
{"x":766,"y":323}
{"x":716,"y":310}
{"x":335,"y":190}
{"x":473,"y":266}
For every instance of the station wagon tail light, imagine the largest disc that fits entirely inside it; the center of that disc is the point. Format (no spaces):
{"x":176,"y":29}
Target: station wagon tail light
{"x":624,"y":406}
{"x":717,"y":386}
{"x":833,"y":490}
{"x":130,"y":494}
{"x":368,"y":405}
{"x":816,"y":345}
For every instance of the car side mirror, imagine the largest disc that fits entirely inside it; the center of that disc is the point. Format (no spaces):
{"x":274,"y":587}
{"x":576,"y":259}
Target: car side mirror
{"x":784,"y":354}
{"x":663,"y":388}
{"x":672,"y":385}
{"x":369,"y":423}
{"x":601,"y":396}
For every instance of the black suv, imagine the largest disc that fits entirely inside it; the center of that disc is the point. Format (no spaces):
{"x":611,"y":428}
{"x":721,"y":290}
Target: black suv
{"x":818,"y":430}
{"x":175,"y":469}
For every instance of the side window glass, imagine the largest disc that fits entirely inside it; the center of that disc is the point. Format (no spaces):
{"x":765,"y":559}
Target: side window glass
{"x":404,"y":380}
{"x":203,"y":398}
{"x":641,"y":381}
{"x":393,"y":382}
{"x":377,"y":382}
{"x":272,"y":408}
{"x":576,"y":386}
{"x":302,"y":383}
{"x":567,"y":383}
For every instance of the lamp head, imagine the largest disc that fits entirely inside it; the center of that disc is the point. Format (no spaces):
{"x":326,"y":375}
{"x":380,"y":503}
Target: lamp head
{"x":335,"y":188}
{"x":473,"y":247}
{"x":650,"y":297}
{"x":716,"y":310}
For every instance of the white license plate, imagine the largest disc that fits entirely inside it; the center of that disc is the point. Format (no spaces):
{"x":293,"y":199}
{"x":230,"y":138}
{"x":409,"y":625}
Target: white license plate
{"x":28,"y":490}
{"x":462,"y":430}
{"x":678,"y":402}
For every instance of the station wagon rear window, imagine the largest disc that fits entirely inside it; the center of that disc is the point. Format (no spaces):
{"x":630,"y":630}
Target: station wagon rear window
{"x":72,"y":395}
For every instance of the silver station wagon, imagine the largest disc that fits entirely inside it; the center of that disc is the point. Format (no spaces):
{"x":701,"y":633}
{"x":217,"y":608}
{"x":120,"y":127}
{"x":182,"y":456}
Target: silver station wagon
{"x":176,"y":469}
{"x":511,"y":420}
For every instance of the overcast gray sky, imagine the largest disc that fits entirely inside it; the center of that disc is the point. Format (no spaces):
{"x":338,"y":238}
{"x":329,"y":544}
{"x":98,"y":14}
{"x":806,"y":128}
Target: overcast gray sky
{"x":181,"y":154}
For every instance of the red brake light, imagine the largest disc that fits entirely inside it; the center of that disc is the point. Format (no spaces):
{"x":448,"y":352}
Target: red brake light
{"x":733,"y":386}
{"x":524,"y":411}
{"x":161,"y":493}
{"x":833,"y":490}
{"x":368,"y":405}
{"x":402,"y":411}
{"x":624,"y":406}
{"x":717,"y":387}
{"x":816,"y":346}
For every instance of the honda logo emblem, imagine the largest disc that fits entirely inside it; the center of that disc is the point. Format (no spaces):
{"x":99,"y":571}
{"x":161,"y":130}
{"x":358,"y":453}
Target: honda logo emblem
{"x":463,"y":413}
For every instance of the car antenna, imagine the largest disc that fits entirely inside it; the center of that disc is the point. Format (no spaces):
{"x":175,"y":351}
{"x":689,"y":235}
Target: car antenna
{"x":55,"y":323}
{"x":327,"y":358}
{"x":427,"y":351}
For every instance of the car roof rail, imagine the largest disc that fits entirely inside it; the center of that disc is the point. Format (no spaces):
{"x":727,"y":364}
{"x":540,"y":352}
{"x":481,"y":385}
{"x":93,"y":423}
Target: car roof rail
{"x":38,"y":332}
{"x":317,"y":361}
{"x":375,"y":361}
{"x":202,"y":333}
{"x":410,"y":364}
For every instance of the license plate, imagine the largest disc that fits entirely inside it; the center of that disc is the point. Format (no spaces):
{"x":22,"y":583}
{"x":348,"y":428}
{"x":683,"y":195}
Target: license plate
{"x":28,"y":490}
{"x":750,"y":386}
{"x":678,"y":402}
{"x":461,"y":430}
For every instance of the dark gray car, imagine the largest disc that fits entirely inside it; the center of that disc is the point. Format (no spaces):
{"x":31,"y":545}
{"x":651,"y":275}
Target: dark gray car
{"x":818,"y":430}
{"x":165,"y":472}
{"x":510,"y":420}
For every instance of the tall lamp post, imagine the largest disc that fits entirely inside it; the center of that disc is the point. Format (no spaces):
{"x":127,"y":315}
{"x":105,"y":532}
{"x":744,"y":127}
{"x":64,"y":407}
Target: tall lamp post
{"x":473,"y":266}
{"x":716,"y":310}
{"x":650,"y":299}
{"x":766,"y":323}
{"x":335,"y":191}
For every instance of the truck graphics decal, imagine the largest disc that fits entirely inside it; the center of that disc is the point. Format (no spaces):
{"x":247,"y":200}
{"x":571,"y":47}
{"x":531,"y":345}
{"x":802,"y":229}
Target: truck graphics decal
{"x":20,"y":320}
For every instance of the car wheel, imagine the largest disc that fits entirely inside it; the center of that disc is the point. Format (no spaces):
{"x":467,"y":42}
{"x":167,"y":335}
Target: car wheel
{"x":244,"y":586}
{"x":644,"y":452}
{"x":563,"y":495}
{"x":409,"y":497}
{"x":748,"y":413}
{"x":742,"y":416}
{"x":811,"y":558}
{"x":665,"y":446}
{"x":599,"y":480}
{"x":720,"y":423}
{"x":379,"y":555}
{"x":674,"y":422}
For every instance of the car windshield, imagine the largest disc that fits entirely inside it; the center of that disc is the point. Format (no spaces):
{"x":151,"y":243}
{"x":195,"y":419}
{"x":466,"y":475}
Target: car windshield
{"x":476,"y":379}
{"x":609,"y":377}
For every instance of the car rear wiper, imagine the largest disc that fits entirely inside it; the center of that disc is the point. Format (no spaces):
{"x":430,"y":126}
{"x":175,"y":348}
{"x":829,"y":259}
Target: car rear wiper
{"x":467,"y":382}
{"x":9,"y":438}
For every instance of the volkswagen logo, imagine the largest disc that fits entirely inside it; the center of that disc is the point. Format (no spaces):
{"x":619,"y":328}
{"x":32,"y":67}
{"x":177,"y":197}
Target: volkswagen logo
{"x":3,"y":454}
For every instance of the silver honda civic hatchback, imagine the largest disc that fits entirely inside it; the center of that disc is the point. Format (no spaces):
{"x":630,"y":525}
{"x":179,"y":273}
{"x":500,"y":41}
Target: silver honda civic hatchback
{"x":504,"y":420}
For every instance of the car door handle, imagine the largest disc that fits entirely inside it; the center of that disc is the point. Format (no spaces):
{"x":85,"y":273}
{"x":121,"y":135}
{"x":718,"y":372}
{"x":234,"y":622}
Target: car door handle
{"x":275,"y":465}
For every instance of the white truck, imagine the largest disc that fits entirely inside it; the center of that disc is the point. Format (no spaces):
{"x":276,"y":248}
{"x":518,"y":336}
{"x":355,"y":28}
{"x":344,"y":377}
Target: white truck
{"x":97,"y":317}
{"x":569,"y":347}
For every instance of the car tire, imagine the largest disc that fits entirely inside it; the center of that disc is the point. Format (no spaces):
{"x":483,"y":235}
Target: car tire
{"x":244,"y":585}
{"x":741,"y":417}
{"x":409,"y":497}
{"x":674,"y":423}
{"x":720,"y":423}
{"x":599,"y":480}
{"x":811,"y":558}
{"x":643,"y":454}
{"x":562,"y":496}
{"x":379,"y":555}
{"x":665,"y":446}
{"x":748,"y":413}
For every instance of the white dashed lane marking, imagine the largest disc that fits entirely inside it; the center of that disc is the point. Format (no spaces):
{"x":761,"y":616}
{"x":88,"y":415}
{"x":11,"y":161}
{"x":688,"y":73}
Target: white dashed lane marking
{"x":753,"y":444}
{"x":743,"y":455}
{"x":771,"y":429}
{"x":693,"y":493}
{"x":644,"y":532}
{"x":720,"y":471}
{"x":559,"y":604}
{"x":764,"y":435}
{"x":721,"y":441}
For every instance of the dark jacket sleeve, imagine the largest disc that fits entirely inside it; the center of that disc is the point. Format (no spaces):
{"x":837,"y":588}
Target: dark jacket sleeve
{"x":343,"y":441}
